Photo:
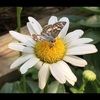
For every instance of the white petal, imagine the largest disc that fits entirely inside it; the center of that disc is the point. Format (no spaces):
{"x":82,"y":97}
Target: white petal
{"x":65,"y":28}
{"x":71,"y":81}
{"x":67,"y":71}
{"x":18,"y":43}
{"x":76,"y":61}
{"x":74,"y":35}
{"x":38,"y":65}
{"x":20,"y":47}
{"x":35,"y":24}
{"x":22,"y":38}
{"x":20,"y":61}
{"x":57,"y":72}
{"x":81,"y":50}
{"x":80,"y":41}
{"x":30,"y":28}
{"x":64,"y":19}
{"x":70,"y":77}
{"x":62,"y":72}
{"x":30,"y":63}
{"x":43,"y":75}
{"x":52,"y":20}
{"x":36,"y":29}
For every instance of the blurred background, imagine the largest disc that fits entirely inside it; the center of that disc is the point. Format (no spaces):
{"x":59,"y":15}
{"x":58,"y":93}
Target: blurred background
{"x":8,"y":16}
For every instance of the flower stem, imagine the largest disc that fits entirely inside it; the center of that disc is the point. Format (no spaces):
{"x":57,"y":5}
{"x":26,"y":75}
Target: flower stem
{"x":24,"y":83}
{"x":82,"y":88}
{"x":19,"y":10}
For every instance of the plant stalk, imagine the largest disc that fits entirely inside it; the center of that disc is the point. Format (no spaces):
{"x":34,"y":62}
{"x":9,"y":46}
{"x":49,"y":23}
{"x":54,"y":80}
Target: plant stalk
{"x":19,"y":10}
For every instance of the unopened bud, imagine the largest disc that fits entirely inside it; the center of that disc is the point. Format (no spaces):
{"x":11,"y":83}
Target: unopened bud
{"x":89,"y":75}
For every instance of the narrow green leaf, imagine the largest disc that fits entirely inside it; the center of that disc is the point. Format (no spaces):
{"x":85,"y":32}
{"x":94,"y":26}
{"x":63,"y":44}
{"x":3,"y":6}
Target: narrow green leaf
{"x":92,"y":21}
{"x":61,"y":89}
{"x":53,"y":87}
{"x":33,"y":72}
{"x":95,"y":10}
{"x":7,"y":88}
{"x":18,"y":87}
{"x":90,"y":88}
{"x":33,"y":86}
{"x":74,"y":90}
{"x":19,"y":10}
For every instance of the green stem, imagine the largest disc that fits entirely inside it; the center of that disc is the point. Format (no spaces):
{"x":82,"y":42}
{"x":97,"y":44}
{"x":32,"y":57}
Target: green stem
{"x":24,"y":83}
{"x":45,"y":89}
{"x":19,"y":10}
{"x":82,"y":88}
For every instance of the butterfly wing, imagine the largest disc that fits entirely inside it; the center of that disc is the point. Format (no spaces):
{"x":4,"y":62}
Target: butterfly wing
{"x":57,"y":27}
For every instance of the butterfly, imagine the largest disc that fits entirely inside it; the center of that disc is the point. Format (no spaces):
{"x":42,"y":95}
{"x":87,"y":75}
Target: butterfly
{"x":50,"y":32}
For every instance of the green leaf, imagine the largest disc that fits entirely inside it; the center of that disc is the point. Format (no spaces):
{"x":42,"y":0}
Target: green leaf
{"x":93,"y":9}
{"x":61,"y":89}
{"x":94,"y":34}
{"x":74,"y":90}
{"x":7,"y":88}
{"x":17,"y":87}
{"x":33,"y":72}
{"x":33,"y":86}
{"x":96,"y":84}
{"x":55,"y":87}
{"x":90,"y":88}
{"x":92,"y":21}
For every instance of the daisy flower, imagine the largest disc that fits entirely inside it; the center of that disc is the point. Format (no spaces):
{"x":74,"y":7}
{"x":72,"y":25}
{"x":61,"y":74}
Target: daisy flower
{"x":50,"y":57}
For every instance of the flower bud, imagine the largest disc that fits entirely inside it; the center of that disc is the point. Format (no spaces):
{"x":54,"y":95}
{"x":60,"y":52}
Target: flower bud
{"x":89,"y":75}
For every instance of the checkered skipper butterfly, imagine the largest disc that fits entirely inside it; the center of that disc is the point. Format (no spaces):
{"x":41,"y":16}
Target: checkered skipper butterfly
{"x":50,"y":32}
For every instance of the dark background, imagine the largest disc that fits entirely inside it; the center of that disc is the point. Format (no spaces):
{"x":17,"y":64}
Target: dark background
{"x":8,"y":16}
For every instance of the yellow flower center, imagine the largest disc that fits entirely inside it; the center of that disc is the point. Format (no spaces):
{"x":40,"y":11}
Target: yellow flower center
{"x":50,"y":52}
